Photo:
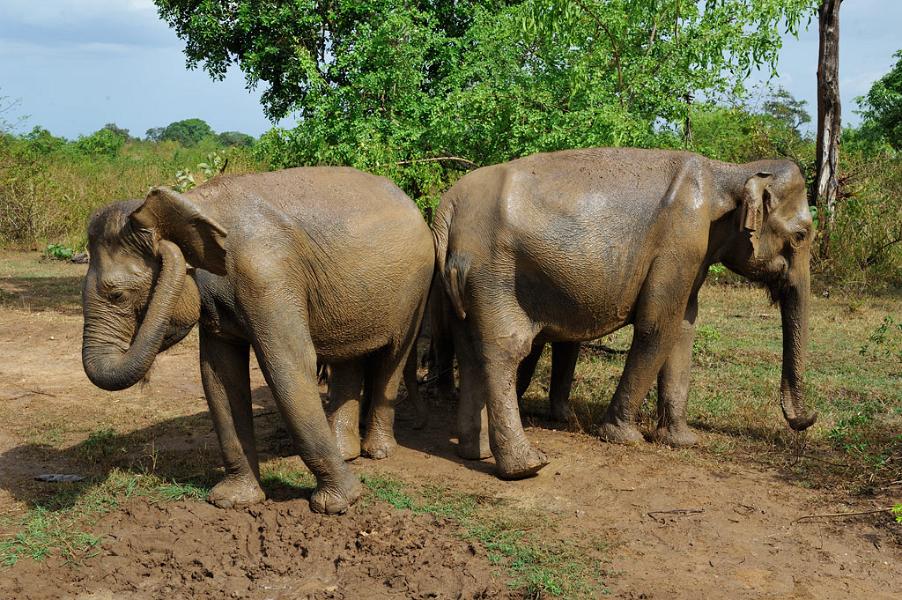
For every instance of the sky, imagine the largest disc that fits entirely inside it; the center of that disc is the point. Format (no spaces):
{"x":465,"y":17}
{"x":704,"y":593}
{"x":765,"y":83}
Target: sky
{"x":75,"y":65}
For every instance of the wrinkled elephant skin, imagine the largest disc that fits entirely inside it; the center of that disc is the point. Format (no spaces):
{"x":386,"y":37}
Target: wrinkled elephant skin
{"x":293,"y":264}
{"x":569,"y":246}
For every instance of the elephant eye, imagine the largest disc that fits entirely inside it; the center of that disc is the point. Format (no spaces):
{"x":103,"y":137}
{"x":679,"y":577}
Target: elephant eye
{"x":799,"y":236}
{"x":116,"y":296}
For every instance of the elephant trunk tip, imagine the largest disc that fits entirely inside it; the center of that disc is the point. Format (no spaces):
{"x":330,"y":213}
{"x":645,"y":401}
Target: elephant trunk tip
{"x":801,"y":423}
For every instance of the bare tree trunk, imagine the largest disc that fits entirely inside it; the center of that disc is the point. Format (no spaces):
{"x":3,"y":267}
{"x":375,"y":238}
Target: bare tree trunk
{"x":826,"y":186}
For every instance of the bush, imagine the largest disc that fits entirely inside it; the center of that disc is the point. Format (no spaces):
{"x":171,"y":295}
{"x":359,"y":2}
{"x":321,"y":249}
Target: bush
{"x":105,"y":141}
{"x":235,"y":138}
{"x":47,"y":195}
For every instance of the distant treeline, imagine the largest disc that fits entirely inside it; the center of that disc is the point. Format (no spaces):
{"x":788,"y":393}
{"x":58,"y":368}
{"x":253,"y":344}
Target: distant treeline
{"x":50,"y":185}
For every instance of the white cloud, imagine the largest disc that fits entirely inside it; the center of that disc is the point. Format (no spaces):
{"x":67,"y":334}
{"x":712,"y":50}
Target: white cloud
{"x":70,"y":23}
{"x":51,"y":13}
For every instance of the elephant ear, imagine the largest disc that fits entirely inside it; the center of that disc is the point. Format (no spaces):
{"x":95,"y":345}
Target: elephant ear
{"x":755,"y":196}
{"x":174,"y":217}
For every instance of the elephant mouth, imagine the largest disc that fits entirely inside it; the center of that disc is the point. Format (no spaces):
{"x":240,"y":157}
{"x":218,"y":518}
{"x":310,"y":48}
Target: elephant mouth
{"x":174,"y":336}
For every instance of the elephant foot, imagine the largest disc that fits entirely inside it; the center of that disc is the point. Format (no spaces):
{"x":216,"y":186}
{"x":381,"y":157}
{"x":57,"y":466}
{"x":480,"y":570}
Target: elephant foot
{"x":525,"y":462}
{"x":379,"y":445}
{"x":474,"y":447}
{"x":236,"y":491}
{"x":348,"y":443}
{"x":676,"y":436}
{"x":336,"y":498}
{"x":620,"y":433}
{"x":561,"y":413}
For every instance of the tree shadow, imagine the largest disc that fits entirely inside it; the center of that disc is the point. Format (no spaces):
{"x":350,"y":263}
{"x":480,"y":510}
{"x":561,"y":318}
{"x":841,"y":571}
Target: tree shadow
{"x":57,"y":294}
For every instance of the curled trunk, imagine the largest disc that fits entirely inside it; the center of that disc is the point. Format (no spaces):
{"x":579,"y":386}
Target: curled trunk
{"x":107,"y":364}
{"x":794,"y":300}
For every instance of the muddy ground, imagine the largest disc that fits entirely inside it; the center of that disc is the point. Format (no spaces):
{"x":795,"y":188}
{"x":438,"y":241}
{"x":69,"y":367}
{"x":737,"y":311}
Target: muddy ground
{"x":665,"y":523}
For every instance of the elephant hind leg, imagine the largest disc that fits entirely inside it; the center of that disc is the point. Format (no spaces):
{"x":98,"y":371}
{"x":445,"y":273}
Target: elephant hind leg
{"x":497,"y":347}
{"x":387,"y":372}
{"x":345,"y":383}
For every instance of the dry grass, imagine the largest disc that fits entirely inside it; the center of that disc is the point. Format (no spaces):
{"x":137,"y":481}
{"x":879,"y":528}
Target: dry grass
{"x":854,"y":382}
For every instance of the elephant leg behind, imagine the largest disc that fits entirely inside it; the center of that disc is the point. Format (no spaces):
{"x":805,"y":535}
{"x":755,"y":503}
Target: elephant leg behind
{"x":563,"y":365}
{"x":442,"y":344}
{"x":393,"y":363}
{"x":226,"y":380}
{"x":345,"y":383}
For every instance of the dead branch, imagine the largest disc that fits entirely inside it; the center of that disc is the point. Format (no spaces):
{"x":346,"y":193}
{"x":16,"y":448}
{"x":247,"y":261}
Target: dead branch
{"x":842,"y":515}
{"x":676,"y":511}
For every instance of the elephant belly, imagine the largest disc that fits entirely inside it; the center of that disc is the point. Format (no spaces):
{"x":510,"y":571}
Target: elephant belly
{"x":580,"y":295}
{"x":370,"y":311}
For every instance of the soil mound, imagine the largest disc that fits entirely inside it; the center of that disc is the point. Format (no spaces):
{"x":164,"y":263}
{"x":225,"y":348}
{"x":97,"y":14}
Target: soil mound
{"x":278,"y":550}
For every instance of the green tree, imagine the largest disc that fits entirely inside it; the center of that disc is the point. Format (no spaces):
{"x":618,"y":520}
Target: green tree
{"x":785,"y":108}
{"x":235,"y":138}
{"x":154,"y":134}
{"x":41,"y":141}
{"x":882,"y":106}
{"x":120,"y":131}
{"x":416,"y":90}
{"x":188,"y":132}
{"x":104,"y":141}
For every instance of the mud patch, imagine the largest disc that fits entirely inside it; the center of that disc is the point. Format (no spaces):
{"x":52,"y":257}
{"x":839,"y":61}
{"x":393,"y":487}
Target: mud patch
{"x":278,"y":550}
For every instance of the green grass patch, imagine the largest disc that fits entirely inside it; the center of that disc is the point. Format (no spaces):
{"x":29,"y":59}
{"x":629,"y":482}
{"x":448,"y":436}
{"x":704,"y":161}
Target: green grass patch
{"x":536,"y":564}
{"x":58,"y":524}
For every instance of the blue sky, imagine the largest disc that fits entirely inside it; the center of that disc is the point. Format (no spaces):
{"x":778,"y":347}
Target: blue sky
{"x":75,"y":65}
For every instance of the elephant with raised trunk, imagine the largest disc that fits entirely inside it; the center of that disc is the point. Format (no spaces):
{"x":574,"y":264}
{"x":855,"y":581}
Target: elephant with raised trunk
{"x":308,"y":262}
{"x":570,"y":246}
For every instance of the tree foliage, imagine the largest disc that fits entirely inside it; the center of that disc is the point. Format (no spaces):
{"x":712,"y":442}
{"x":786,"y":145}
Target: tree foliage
{"x":235,"y":138}
{"x":882,"y":106}
{"x":188,"y":132}
{"x":394,"y":86}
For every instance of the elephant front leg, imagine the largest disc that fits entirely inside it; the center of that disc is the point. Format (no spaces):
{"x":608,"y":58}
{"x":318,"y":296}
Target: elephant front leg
{"x":673,"y":386}
{"x":287,"y":358}
{"x":414,"y":397}
{"x":527,"y":369}
{"x":226,"y":381}
{"x":654,"y":333}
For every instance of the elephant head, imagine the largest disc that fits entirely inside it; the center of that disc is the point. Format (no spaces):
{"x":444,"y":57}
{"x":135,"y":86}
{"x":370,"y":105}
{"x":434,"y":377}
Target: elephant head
{"x":770,"y":243}
{"x":137,"y":298}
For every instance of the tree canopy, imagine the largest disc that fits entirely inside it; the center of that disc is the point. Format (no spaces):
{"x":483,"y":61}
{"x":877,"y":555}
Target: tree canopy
{"x":882,"y":106}
{"x":393,"y":86}
{"x":188,"y":132}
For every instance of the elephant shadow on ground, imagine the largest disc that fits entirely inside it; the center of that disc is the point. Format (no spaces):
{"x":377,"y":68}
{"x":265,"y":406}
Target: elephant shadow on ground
{"x":184,"y":450}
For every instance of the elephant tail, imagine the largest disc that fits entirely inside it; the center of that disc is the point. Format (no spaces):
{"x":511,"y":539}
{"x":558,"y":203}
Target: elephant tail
{"x":451,"y":267}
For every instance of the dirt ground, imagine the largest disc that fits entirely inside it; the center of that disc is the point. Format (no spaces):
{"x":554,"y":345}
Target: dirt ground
{"x":670,"y":524}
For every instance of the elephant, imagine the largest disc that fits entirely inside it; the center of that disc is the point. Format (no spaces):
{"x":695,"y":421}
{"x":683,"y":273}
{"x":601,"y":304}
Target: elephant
{"x":572,"y":245}
{"x":437,"y":330}
{"x":294,"y":264}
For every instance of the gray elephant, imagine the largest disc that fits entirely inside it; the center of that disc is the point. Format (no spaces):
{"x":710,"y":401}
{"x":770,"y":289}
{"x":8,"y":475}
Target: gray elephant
{"x":307,"y":262}
{"x":570,"y":246}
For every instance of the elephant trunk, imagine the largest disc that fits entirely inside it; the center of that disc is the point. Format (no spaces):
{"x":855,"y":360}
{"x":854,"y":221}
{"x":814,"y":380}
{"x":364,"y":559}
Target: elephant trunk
{"x":794,"y":299}
{"x":106,"y":363}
